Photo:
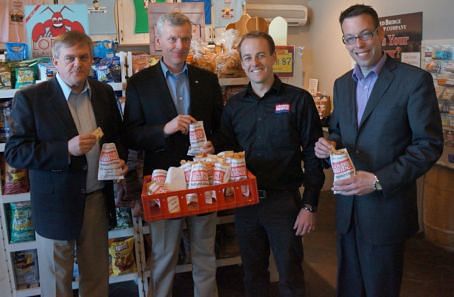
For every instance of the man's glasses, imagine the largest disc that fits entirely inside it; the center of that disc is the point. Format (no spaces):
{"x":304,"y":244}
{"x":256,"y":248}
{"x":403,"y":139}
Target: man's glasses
{"x":363,"y":36}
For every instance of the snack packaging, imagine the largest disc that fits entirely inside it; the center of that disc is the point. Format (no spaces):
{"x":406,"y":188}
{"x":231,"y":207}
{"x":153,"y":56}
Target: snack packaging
{"x":109,"y":163}
{"x":239,"y":170}
{"x":159,"y":176}
{"x":26,"y":269}
{"x":21,"y":226}
{"x":121,"y":252}
{"x":221,"y":174}
{"x":198,"y":179}
{"x":16,"y":180}
{"x":124,"y":219}
{"x":5,"y":76}
{"x":24,"y":76}
{"x":342,"y":164}
{"x":16,"y":51}
{"x":197,"y":138}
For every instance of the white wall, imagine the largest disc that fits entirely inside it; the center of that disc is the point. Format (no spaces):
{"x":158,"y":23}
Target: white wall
{"x":325,"y":57}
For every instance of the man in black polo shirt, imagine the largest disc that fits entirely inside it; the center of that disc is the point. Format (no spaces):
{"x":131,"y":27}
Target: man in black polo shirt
{"x":277,"y":126}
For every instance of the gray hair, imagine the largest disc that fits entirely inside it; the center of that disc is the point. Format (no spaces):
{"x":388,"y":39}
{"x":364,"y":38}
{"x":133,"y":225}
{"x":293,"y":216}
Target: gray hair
{"x":70,"y":39}
{"x":173,"y":18}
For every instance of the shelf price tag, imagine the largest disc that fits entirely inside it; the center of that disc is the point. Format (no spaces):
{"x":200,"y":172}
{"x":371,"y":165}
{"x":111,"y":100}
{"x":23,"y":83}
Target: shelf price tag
{"x":284,"y":61}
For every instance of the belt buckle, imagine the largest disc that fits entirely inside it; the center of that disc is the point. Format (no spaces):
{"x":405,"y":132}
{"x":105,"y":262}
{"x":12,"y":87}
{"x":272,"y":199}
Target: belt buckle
{"x":262,"y":194}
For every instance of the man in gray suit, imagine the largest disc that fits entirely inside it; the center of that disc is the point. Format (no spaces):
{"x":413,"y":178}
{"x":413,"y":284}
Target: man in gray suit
{"x":386,"y":115}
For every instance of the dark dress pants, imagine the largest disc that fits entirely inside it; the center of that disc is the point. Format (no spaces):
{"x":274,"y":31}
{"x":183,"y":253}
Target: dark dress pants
{"x":270,"y":223}
{"x":365,"y":269}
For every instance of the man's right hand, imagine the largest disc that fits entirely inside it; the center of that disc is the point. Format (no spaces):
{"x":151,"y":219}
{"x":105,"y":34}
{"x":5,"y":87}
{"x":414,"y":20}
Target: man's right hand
{"x":179,"y":123}
{"x":323,"y":147}
{"x":80,"y":145}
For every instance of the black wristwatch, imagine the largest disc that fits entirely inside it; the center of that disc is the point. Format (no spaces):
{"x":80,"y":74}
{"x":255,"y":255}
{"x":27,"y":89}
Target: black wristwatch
{"x":309,"y":208}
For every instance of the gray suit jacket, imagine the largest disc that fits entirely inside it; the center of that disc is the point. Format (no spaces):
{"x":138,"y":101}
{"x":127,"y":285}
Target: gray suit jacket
{"x":399,"y":139}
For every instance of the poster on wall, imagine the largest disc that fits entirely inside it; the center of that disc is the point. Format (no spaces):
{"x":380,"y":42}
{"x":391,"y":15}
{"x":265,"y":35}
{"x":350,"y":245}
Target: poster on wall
{"x":194,"y":11}
{"x":12,"y":19}
{"x":101,"y":15}
{"x":403,"y":35}
{"x":45,"y":22}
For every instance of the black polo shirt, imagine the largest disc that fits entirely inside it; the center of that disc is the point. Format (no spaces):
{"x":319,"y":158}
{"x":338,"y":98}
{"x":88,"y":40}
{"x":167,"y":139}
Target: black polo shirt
{"x":277,"y":132}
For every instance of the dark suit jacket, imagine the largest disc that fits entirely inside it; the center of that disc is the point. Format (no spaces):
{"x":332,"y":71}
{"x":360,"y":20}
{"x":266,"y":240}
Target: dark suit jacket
{"x":149,"y":106}
{"x":399,"y":139}
{"x":42,"y":125}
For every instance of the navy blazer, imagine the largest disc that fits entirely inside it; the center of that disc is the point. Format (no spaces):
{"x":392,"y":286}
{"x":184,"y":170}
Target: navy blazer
{"x":399,"y":139}
{"x":149,"y":106}
{"x":41,"y":127}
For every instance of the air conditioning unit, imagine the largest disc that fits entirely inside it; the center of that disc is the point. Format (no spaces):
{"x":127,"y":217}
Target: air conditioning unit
{"x":295,"y":15}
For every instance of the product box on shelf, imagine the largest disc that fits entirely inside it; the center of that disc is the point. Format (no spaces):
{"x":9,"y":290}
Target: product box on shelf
{"x":175,"y":204}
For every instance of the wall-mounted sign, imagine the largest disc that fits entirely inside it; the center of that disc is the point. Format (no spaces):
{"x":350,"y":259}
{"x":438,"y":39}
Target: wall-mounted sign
{"x":284,"y":60}
{"x":403,"y":35}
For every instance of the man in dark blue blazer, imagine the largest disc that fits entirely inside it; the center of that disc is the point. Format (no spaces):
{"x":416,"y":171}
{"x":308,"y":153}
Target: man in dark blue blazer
{"x":51,"y":135}
{"x":386,"y":115}
{"x":162,"y":101}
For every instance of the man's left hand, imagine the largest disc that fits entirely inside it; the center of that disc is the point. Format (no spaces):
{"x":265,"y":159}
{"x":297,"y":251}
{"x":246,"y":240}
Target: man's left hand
{"x":360,"y":184}
{"x":305,"y":222}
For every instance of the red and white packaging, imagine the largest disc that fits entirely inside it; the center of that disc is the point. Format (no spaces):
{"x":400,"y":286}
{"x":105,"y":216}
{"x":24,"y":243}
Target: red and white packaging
{"x":197,"y":138}
{"x":198,"y":179}
{"x":239,"y":171}
{"x":221,"y":174}
{"x":342,"y":164}
{"x":186,"y":166}
{"x":109,"y":163}
{"x":159,"y":176}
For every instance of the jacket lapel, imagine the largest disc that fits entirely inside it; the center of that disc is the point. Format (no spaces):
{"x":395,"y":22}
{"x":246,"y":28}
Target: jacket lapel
{"x":381,"y":86}
{"x":193,"y":88}
{"x":160,"y":83}
{"x":351,"y":105}
{"x":60,"y":106}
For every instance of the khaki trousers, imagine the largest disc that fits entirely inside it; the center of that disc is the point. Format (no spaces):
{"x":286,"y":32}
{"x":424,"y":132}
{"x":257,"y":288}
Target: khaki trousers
{"x":56,"y":257}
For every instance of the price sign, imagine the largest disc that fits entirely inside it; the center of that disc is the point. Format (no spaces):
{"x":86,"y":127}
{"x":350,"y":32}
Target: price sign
{"x":284,"y":61}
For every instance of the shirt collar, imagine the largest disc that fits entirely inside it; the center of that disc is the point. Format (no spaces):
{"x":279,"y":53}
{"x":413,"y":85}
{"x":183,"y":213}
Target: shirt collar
{"x":275,"y":88}
{"x":67,"y":89}
{"x":358,"y":74}
{"x":167,"y":71}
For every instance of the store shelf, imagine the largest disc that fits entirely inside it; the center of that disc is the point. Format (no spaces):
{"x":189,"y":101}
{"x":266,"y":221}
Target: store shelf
{"x":21,"y":246}
{"x":2,"y":147}
{"x":119,"y":233}
{"x":9,"y":93}
{"x":27,"y":292}
{"x":114,"y":279}
{"x":15,"y":198}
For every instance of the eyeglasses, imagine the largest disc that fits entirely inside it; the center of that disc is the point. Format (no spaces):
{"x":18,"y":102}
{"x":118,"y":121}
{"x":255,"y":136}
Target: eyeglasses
{"x":363,"y":36}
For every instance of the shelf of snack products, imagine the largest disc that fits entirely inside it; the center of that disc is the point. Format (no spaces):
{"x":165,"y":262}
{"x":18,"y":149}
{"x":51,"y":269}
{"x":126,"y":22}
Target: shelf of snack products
{"x":9,"y":93}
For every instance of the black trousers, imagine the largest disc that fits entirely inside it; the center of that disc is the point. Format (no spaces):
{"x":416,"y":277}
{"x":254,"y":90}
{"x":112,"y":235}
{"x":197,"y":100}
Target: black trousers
{"x":270,"y":224}
{"x":365,"y":269}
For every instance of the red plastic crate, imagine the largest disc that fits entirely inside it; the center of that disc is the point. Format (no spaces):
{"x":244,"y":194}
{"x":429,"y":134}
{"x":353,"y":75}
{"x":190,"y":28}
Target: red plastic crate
{"x":153,"y":212}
